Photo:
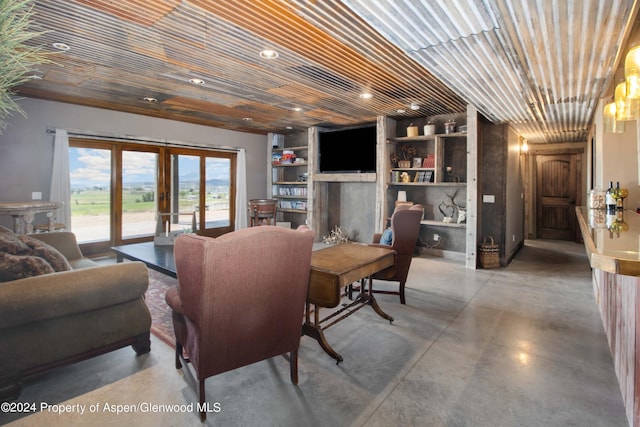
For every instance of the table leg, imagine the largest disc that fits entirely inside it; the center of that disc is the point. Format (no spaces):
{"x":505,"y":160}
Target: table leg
{"x":371,"y":300}
{"x":314,"y":330}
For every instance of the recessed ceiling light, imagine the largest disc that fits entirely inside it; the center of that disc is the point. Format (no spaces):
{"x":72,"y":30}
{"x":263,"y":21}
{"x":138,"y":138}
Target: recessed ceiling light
{"x":196,"y":81}
{"x":268,"y":54}
{"x":149,"y":99}
{"x":415,"y":106}
{"x":247,"y":119}
{"x":289,"y":127}
{"x":401,"y":110}
{"x":297,"y":109}
{"x":366,"y":95}
{"x":61,"y":46}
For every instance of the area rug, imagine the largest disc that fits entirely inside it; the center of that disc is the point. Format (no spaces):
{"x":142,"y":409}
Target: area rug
{"x":161,"y":323}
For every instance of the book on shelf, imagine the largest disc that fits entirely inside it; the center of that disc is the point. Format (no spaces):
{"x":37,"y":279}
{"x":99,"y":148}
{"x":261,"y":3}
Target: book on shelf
{"x":429,"y":161}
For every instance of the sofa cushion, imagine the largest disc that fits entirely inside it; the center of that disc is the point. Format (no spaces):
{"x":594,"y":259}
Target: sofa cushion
{"x":13,"y":267}
{"x":49,"y":253}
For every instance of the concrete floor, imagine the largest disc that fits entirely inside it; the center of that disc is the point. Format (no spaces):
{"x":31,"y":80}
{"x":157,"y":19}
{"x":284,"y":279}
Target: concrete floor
{"x":516,"y":346}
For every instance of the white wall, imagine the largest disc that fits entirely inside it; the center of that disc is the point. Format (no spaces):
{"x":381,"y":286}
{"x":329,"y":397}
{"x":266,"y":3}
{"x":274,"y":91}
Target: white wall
{"x":514,"y":195}
{"x":617,"y":159}
{"x":26,"y":149}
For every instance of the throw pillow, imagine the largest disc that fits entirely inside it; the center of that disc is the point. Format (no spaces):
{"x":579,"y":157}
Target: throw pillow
{"x":13,"y":267}
{"x":47,"y":252}
{"x":9,"y":243}
{"x":387,"y":237}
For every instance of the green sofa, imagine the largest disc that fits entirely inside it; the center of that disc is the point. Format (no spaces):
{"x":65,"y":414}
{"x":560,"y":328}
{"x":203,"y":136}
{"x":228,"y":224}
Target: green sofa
{"x":76,"y":312}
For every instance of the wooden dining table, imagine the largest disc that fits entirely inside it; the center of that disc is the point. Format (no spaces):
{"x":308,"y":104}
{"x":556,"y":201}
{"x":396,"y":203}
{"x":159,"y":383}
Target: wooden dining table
{"x":332,"y":270}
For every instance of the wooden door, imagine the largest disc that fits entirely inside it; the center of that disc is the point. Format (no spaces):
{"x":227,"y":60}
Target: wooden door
{"x":557,"y":193}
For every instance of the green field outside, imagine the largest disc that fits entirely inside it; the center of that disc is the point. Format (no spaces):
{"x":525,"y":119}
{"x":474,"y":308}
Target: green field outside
{"x":97,"y":202}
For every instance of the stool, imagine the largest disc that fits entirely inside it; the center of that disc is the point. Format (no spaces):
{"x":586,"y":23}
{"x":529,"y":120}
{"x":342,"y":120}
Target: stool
{"x":262,"y":212}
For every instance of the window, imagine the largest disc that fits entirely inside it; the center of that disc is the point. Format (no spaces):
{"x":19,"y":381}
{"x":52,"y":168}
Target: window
{"x":119,"y":191}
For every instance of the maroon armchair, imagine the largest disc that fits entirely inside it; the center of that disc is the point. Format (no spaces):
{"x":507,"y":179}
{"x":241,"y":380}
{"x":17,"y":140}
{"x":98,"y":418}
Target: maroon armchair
{"x":240,"y":298}
{"x":405,"y":225}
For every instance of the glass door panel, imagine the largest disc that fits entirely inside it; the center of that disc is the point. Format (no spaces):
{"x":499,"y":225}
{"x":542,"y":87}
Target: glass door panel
{"x":185,"y":191}
{"x":218,"y":190}
{"x":90,"y":177}
{"x":139,"y":193}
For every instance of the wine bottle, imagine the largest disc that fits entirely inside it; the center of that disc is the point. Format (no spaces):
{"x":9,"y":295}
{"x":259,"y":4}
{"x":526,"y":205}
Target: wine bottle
{"x":610,"y":199}
{"x":618,"y":196}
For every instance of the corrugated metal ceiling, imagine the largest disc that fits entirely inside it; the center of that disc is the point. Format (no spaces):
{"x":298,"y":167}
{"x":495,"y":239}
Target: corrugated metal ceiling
{"x":539,"y":65}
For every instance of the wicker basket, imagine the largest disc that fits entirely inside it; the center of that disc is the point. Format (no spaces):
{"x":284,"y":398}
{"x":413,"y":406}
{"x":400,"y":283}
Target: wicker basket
{"x":489,"y":254}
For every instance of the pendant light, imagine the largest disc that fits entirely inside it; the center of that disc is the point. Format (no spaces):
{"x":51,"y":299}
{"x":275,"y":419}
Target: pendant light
{"x":609,"y":122}
{"x":626,"y":108}
{"x":632,"y":72}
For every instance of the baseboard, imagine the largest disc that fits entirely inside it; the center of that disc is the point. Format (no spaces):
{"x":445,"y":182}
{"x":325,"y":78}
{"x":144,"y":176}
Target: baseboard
{"x":443,"y":253}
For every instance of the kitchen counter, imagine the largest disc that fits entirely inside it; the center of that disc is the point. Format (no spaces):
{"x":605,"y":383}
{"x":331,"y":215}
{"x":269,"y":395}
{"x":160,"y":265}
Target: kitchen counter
{"x":614,"y":248}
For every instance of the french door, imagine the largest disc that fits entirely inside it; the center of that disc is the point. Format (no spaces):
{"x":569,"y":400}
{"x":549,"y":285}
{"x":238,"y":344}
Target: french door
{"x":127,"y":193}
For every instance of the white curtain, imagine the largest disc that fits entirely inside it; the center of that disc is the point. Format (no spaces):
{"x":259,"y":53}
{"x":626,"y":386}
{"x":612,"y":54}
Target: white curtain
{"x":241,"y":190}
{"x":60,"y":190}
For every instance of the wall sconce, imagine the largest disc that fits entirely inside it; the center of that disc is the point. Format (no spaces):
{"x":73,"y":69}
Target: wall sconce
{"x":609,"y":122}
{"x":525,"y":146}
{"x":626,"y":108}
{"x":632,"y":72}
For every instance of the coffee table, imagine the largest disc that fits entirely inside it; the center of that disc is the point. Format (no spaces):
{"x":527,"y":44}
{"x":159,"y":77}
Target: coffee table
{"x":159,"y":258}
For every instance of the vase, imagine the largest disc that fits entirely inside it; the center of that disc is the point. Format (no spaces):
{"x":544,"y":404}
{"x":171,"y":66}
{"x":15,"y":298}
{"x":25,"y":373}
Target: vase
{"x":429,"y":129}
{"x":404,"y":164}
{"x":412,"y":131}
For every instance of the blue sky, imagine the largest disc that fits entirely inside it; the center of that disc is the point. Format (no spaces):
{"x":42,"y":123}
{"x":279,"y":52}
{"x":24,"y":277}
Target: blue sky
{"x":91,"y":167}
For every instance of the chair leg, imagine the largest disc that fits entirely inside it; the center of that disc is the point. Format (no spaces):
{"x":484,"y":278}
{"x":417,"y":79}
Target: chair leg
{"x":293,"y":366}
{"x":178,"y":354}
{"x":402,"y":300}
{"x":203,"y":414}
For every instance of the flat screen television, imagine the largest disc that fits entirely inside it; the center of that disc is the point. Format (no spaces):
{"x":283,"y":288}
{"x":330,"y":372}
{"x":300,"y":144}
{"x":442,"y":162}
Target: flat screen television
{"x":350,"y":150}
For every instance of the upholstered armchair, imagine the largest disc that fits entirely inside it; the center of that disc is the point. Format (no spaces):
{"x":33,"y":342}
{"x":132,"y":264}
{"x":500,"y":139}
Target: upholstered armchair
{"x":240,"y":298}
{"x":405,"y":226}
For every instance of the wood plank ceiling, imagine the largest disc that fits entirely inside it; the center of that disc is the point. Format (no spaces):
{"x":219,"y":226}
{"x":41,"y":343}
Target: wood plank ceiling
{"x":540,"y":65}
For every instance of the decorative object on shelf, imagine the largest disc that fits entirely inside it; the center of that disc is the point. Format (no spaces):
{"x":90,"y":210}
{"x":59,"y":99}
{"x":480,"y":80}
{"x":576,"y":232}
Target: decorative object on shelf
{"x":412,"y":130}
{"x":407,"y":152}
{"x":404,"y":177}
{"x":417,"y":162}
{"x":449,"y":209}
{"x":429,"y":161}
{"x":337,"y":236}
{"x":450,"y":127}
{"x":430,"y":128}
{"x":462,"y":128}
{"x":449,"y":170}
{"x":304,"y":177}
{"x":288,"y":157}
